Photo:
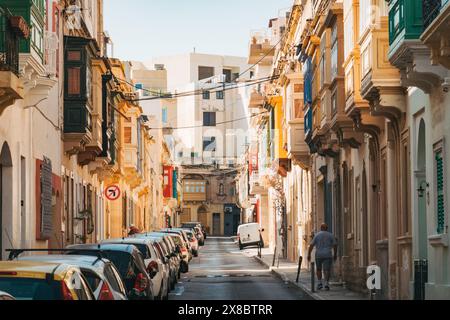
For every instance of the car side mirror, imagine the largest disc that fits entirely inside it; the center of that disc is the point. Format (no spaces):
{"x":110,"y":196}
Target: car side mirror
{"x":153,"y":273}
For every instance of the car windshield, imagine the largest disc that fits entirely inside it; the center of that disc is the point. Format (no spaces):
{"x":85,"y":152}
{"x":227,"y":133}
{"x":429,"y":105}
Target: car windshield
{"x":122,"y":261}
{"x":31,"y":289}
{"x":176,"y":239}
{"x":143,"y":249}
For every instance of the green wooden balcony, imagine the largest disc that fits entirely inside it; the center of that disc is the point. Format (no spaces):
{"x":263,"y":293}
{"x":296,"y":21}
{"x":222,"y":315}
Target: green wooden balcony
{"x":33,"y":12}
{"x":405,"y":21}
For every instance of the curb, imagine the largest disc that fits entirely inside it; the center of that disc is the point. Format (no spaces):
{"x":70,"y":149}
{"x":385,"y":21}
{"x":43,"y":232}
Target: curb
{"x":282,"y":276}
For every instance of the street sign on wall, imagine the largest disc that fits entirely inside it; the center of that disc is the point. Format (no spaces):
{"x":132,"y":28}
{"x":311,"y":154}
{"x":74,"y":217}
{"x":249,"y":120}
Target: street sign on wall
{"x":112,"y":192}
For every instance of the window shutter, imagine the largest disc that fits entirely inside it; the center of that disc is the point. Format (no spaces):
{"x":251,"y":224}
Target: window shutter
{"x":440,"y":192}
{"x":127,"y":134}
{"x":74,"y":79}
{"x":46,"y":200}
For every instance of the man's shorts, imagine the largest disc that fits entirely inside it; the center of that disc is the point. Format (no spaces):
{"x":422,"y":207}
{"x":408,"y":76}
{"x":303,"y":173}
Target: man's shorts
{"x":324,"y":264}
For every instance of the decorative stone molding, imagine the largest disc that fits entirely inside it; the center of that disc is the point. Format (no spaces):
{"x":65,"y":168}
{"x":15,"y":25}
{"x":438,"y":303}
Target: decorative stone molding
{"x":413,"y":59}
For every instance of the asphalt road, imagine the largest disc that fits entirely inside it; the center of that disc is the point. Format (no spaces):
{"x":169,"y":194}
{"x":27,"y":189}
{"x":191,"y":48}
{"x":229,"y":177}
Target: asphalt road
{"x":222,"y":272}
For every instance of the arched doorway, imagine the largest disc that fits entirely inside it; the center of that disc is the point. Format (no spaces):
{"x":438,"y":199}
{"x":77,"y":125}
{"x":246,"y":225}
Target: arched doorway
{"x":5,"y":200}
{"x":421,"y":183}
{"x":202,"y":217}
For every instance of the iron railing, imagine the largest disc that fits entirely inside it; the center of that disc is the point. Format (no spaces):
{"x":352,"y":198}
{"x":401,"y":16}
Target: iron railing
{"x":9,"y":44}
{"x":431,"y":9}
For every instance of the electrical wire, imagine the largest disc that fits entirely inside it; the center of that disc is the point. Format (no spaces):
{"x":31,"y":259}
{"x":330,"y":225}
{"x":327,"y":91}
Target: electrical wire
{"x":200,"y":92}
{"x":168,"y":95}
{"x":217,"y":123}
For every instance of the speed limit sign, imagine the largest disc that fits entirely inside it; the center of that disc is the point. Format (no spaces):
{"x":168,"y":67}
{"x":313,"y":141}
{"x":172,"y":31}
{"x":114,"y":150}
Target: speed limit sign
{"x":112,"y":192}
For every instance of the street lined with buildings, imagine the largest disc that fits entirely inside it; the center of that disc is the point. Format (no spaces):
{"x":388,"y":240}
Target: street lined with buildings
{"x":338,"y":115}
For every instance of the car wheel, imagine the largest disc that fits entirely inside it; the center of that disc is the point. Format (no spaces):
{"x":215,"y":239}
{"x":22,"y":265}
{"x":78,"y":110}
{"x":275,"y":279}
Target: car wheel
{"x":241,"y":247}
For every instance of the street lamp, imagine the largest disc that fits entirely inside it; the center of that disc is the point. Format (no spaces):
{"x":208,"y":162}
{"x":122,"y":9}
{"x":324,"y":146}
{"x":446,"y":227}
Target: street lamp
{"x":421,"y":190}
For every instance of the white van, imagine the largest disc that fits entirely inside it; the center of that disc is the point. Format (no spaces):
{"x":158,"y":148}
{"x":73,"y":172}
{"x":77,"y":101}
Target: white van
{"x":249,"y":235}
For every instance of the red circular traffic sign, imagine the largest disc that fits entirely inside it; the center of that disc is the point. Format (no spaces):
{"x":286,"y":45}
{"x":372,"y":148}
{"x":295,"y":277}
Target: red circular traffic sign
{"x":112,"y":192}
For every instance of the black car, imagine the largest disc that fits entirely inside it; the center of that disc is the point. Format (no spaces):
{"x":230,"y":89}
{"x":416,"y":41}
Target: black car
{"x":129,"y":262}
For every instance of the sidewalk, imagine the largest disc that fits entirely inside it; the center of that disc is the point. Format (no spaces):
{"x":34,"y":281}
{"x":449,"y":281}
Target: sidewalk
{"x":287,"y":271}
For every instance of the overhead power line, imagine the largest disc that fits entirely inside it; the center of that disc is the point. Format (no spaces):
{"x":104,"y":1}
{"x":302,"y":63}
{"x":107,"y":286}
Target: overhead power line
{"x":217,"y":123}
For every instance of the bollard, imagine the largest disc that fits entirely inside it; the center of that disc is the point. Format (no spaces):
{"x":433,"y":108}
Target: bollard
{"x":300,"y":260}
{"x":313,"y":277}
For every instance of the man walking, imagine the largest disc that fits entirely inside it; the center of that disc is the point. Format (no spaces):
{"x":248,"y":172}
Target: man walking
{"x":324,"y":242}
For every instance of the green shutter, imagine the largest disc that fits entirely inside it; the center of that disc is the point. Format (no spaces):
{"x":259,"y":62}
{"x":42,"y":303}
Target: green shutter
{"x":440,"y":192}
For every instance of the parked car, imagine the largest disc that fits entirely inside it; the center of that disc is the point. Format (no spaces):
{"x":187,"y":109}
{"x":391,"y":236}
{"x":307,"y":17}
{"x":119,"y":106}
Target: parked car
{"x":193,"y":241}
{"x":183,"y":234}
{"x":200,"y":237}
{"x":184,"y":244}
{"x":178,"y":240}
{"x":173,"y":259}
{"x":194,"y":224}
{"x":152,"y":263}
{"x":128,"y":261}
{"x":5,"y":296}
{"x":33,"y":280}
{"x":101,"y":274}
{"x":177,"y":251}
{"x":249,"y":235}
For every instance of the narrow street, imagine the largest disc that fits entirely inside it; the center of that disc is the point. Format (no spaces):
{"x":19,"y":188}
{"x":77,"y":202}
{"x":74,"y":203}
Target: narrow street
{"x":222,"y":272}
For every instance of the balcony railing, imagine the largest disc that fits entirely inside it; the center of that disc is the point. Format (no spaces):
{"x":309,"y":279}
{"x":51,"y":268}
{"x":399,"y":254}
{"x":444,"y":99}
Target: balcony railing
{"x":431,"y":9}
{"x":9,"y":44}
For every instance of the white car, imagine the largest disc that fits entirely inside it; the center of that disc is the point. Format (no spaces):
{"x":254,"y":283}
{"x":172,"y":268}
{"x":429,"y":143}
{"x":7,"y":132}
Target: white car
{"x":193,"y":241}
{"x":250,"y":235}
{"x":6,"y":296}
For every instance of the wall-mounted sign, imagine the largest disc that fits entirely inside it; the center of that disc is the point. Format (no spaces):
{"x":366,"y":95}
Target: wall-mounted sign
{"x":112,"y":192}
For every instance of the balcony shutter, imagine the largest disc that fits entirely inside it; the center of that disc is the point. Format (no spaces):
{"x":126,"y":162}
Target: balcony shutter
{"x":74,"y":79}
{"x":127,"y":134}
{"x":46,"y":227}
{"x":440,"y":192}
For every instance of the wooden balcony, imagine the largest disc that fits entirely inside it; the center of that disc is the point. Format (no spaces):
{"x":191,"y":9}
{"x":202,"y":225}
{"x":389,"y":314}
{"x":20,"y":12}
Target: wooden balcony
{"x":407,"y":52}
{"x":261,"y":50}
{"x":381,"y":82}
{"x":256,"y":185}
{"x":436,"y":15}
{"x":12,"y":29}
{"x":94,"y":148}
{"x":297,"y":148}
{"x":257,"y":99}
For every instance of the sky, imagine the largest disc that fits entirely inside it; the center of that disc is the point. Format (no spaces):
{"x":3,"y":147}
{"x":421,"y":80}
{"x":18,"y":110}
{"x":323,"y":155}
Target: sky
{"x":142,"y":29}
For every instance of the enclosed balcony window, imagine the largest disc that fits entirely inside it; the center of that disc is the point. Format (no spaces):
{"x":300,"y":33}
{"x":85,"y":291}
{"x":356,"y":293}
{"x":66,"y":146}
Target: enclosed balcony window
{"x":307,"y":67}
{"x":334,"y":52}
{"x":364,"y":15}
{"x":74,"y":81}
